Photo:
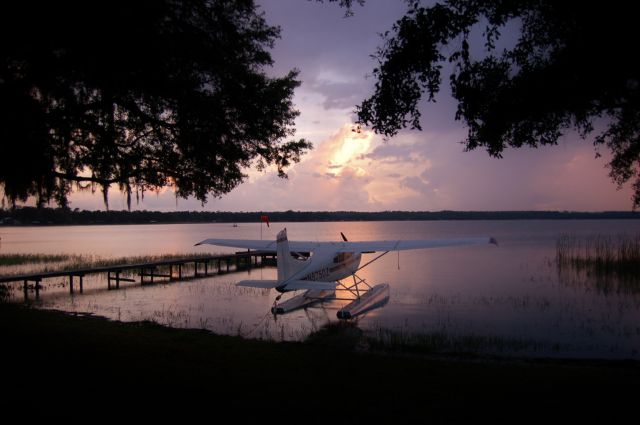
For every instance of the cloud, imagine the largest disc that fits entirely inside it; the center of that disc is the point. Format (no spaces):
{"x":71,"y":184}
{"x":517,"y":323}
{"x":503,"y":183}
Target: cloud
{"x":563,"y":177}
{"x":329,"y":178}
{"x":393,"y":153}
{"x":332,"y":52}
{"x":417,"y":184}
{"x":340,"y":90}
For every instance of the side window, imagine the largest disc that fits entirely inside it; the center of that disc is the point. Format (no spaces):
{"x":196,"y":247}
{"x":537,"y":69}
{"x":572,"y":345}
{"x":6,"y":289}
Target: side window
{"x":342,"y":257}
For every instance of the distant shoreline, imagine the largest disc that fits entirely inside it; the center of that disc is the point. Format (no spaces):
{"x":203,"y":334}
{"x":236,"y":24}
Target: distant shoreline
{"x":30,"y":216}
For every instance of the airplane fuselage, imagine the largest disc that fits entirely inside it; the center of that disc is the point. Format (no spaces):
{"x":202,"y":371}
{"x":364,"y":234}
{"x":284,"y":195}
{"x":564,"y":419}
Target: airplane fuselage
{"x":341,"y":266}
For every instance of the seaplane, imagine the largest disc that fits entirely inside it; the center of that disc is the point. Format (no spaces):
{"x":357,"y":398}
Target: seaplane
{"x":322,"y":268}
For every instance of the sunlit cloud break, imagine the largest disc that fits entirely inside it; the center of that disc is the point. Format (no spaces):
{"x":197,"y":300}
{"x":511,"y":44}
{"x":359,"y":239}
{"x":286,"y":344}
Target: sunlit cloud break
{"x":346,"y":148}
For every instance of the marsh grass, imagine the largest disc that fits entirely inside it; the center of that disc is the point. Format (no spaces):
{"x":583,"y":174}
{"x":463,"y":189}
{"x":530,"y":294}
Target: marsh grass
{"x":403,"y":340}
{"x":344,"y":335}
{"x":43,"y":263}
{"x":20,"y":259}
{"x":89,"y":261}
{"x":600,"y":254}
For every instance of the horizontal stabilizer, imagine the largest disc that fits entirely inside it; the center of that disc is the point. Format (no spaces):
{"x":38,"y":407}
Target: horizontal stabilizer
{"x":309,"y":284}
{"x":258,"y":283}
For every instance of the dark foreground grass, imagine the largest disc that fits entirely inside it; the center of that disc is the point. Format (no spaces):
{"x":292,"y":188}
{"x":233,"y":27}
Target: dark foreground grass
{"x":55,"y":365}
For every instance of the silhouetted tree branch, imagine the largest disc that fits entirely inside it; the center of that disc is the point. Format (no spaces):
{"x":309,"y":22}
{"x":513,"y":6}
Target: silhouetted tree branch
{"x":143,"y":94}
{"x":571,"y":67}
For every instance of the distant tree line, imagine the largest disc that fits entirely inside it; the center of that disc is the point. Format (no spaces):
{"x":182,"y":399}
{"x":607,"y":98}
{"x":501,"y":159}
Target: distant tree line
{"x":66,"y":216}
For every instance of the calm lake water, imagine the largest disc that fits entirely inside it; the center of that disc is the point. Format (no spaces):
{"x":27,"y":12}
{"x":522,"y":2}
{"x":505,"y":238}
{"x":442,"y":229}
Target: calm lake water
{"x":511,"y":299}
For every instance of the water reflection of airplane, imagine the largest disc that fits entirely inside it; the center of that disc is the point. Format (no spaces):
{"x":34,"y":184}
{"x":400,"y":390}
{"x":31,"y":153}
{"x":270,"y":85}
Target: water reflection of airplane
{"x":321,"y":268}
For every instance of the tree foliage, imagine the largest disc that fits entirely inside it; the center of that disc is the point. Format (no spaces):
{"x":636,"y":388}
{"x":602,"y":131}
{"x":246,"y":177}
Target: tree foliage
{"x":571,"y":67}
{"x":142,"y":94}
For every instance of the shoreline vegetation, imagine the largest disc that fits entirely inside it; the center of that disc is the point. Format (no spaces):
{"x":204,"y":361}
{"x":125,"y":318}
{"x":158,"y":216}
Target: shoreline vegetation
{"x":600,"y":255}
{"x":81,"y":261}
{"x":89,"y":360}
{"x":69,"y":262}
{"x":66,"y":216}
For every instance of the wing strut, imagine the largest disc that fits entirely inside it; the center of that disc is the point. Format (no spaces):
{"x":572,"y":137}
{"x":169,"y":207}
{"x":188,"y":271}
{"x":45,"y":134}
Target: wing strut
{"x":366,"y":264}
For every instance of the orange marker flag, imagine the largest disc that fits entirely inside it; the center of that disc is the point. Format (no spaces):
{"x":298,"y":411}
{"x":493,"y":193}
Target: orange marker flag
{"x":265,"y":218}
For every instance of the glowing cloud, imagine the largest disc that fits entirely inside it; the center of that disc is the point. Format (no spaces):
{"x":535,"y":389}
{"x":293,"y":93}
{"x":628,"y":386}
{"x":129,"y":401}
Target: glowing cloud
{"x":346,"y":147}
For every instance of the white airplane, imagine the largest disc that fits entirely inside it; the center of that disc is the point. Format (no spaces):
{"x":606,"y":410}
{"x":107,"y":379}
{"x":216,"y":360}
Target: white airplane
{"x":320,"y":268}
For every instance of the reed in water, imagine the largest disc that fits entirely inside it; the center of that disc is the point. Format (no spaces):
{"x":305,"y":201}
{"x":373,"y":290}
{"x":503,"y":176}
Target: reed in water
{"x":42,"y":263}
{"x":18,"y":259}
{"x":600,"y":254}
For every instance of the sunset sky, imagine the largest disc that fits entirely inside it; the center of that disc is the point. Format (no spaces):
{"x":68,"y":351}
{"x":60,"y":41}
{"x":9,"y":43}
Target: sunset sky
{"x":416,"y":170}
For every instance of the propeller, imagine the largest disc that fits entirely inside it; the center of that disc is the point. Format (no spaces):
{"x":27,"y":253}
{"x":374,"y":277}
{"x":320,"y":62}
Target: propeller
{"x":344,"y":238}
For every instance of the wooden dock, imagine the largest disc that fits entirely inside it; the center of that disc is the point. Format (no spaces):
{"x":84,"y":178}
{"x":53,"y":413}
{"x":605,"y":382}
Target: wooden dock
{"x":202,"y":266}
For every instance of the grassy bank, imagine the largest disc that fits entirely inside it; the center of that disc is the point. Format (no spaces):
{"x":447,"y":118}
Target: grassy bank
{"x":58,"y":365}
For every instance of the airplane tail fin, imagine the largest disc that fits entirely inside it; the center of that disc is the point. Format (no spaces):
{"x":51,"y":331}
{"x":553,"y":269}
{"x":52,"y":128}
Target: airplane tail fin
{"x":286,"y":267}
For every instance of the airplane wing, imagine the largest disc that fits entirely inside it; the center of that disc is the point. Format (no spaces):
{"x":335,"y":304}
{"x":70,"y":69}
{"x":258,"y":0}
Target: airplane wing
{"x":364,"y":246}
{"x":401,"y":245}
{"x":266,"y":245}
